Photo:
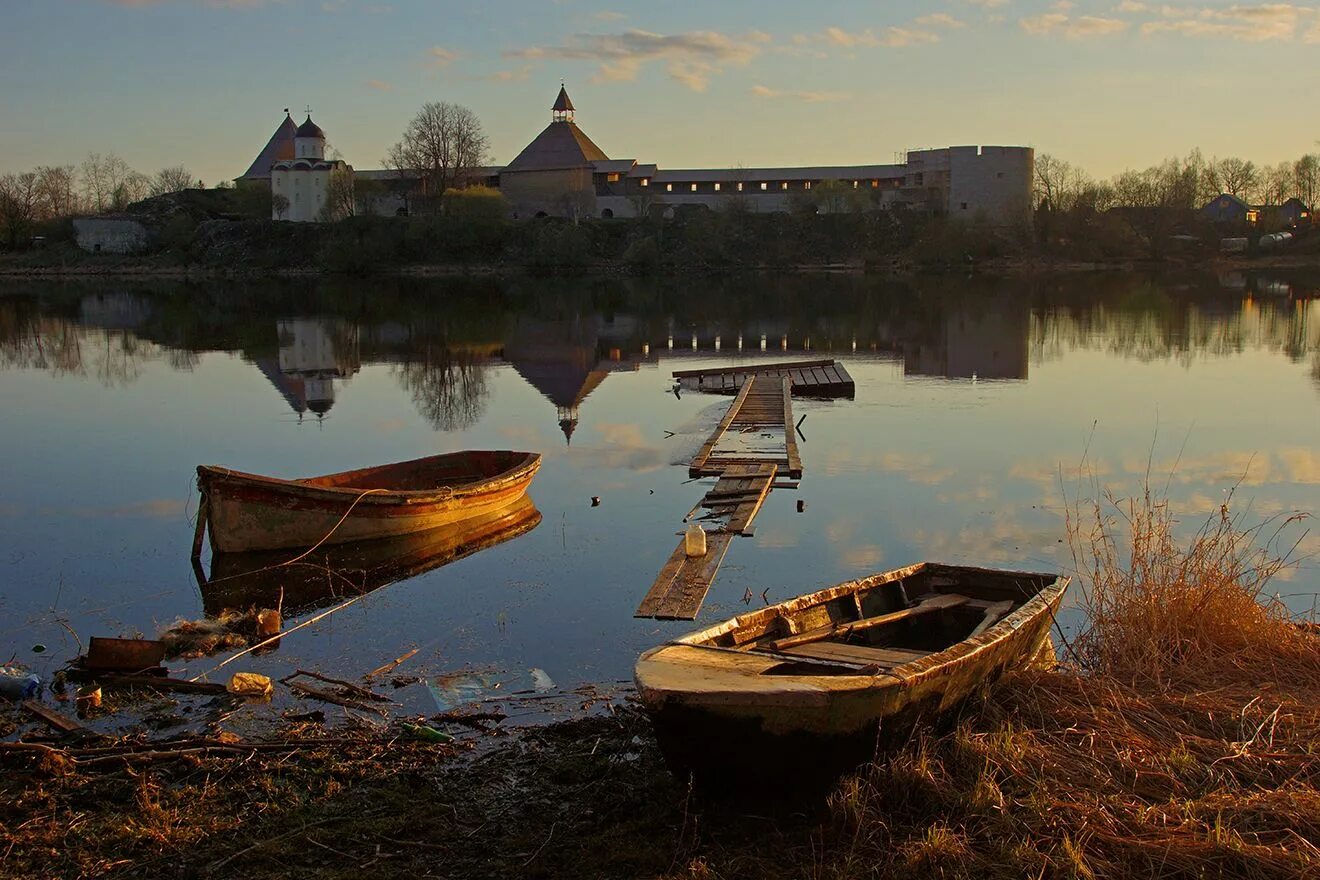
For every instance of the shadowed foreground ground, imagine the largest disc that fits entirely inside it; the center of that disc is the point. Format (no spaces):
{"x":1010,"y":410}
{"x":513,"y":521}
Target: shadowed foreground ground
{"x":1052,"y":775}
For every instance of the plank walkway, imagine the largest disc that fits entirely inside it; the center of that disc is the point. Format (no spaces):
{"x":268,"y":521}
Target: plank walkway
{"x":826,"y":378}
{"x":682,"y":585}
{"x":764,"y":405}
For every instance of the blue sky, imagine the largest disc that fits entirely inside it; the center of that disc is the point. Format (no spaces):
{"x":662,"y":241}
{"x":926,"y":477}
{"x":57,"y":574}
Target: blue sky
{"x":1107,"y":85}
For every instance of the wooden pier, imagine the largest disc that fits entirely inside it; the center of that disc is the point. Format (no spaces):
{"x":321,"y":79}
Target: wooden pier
{"x":754,"y":443}
{"x":764,"y":406}
{"x":682,"y":584}
{"x":826,"y":378}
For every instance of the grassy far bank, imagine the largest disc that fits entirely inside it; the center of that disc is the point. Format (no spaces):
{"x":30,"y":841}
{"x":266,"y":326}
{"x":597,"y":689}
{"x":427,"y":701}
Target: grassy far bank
{"x":1177,"y":740}
{"x":198,"y":232}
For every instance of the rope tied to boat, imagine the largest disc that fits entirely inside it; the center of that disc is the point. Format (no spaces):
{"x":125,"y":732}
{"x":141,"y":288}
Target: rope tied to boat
{"x":334,"y":528}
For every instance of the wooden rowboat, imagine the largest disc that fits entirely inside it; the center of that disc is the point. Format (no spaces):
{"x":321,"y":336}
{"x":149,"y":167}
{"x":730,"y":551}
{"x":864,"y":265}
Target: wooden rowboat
{"x":250,"y":512}
{"x":814,"y":684}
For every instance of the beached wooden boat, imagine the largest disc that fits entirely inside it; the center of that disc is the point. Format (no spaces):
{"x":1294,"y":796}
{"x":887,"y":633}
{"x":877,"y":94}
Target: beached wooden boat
{"x":250,"y":512}
{"x":298,"y":580}
{"x":812,"y":685}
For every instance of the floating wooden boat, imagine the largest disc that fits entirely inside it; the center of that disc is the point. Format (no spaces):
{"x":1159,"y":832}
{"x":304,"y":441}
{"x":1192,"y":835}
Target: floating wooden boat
{"x":815,"y":683}
{"x":250,"y":512}
{"x":300,"y":581}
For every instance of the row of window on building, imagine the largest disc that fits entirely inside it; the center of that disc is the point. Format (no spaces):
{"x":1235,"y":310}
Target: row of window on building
{"x":741,"y":186}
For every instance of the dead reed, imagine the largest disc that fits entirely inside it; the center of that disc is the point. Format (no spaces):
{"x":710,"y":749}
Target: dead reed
{"x":1164,"y":611}
{"x":1179,"y":741}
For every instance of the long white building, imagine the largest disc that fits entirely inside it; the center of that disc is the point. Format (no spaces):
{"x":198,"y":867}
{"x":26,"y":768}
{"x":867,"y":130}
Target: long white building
{"x":563,"y":173}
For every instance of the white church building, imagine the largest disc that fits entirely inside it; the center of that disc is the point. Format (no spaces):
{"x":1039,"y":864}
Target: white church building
{"x":299,"y":174}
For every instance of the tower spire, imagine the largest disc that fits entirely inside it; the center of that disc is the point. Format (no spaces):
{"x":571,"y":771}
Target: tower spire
{"x":563,"y":109}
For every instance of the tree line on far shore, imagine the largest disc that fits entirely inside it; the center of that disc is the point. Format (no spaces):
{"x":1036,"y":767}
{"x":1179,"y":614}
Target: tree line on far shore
{"x":1187,"y":182}
{"x":102,"y":183}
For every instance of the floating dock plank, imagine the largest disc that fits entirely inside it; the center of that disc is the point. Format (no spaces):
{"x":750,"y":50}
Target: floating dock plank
{"x":683,"y":583}
{"x":826,"y":378}
{"x":764,"y":405}
{"x":680,"y":589}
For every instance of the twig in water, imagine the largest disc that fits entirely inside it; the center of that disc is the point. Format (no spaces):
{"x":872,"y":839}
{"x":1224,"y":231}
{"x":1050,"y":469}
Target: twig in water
{"x":392,"y":665}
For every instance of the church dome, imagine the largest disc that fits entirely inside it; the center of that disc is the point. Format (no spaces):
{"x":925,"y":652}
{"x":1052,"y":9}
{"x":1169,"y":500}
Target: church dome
{"x":310,"y":129}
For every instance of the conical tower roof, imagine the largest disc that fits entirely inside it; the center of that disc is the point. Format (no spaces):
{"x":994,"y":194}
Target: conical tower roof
{"x":562,"y":104}
{"x":561,"y":145}
{"x":280,"y":146}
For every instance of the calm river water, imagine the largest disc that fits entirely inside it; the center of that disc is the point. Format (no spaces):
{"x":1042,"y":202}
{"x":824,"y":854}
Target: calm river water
{"x":972,"y":399}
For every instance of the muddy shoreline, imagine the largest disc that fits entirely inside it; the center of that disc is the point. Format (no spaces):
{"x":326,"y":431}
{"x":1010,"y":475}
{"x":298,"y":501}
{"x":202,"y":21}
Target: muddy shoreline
{"x":1008,"y":267}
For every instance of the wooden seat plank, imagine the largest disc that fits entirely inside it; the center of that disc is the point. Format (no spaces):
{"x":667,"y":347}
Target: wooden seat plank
{"x":930,"y":605}
{"x":863,"y":654}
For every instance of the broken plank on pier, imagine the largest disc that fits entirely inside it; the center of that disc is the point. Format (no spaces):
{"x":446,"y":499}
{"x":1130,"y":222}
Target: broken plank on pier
{"x":824,"y":378}
{"x":742,"y":489}
{"x":683,"y":583}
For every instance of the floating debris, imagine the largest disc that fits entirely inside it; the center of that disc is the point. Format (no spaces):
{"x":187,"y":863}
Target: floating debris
{"x":251,"y":685}
{"x":189,"y":639}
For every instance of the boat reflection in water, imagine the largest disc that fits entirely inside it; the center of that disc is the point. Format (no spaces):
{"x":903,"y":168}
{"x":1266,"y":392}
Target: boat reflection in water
{"x":267,"y":578}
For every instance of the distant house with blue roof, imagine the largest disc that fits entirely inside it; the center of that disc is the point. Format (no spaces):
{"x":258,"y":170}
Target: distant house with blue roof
{"x":1225,"y":208}
{"x":1294,"y":212}
{"x":1231,"y":210}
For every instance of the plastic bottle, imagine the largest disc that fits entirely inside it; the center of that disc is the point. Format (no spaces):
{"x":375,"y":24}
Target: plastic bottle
{"x":18,"y":685}
{"x":694,"y":541}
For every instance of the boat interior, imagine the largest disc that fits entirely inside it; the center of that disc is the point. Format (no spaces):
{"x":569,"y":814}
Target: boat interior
{"x":426,"y":473}
{"x":882,"y":622}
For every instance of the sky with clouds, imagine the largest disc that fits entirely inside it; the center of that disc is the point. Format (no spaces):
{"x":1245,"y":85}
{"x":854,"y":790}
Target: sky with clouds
{"x":1108,"y":85}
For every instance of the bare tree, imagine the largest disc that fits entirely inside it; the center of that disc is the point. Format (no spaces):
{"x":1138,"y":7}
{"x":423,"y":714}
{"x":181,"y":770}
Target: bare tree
{"x":107,"y":181}
{"x":1275,"y":184}
{"x":339,"y":199}
{"x":1234,"y":176}
{"x":444,"y":144}
{"x":279,"y":203}
{"x":18,"y":206}
{"x":1306,"y":179}
{"x":171,"y":180}
{"x":133,"y":188}
{"x":57,"y":190}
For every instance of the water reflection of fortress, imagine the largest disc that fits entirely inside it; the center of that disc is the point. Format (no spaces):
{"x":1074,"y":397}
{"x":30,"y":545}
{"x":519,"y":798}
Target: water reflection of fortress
{"x":313,"y":353}
{"x":566,"y":359}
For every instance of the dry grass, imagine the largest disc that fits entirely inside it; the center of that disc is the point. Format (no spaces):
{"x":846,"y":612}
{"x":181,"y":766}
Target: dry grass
{"x":1184,"y":741}
{"x":1164,"y":612}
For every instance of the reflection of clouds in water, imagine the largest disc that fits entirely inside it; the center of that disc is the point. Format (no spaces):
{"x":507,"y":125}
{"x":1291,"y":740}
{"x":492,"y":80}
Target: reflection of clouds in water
{"x":390,"y":426}
{"x":775,"y":538}
{"x":917,"y":467}
{"x":842,"y":533}
{"x":157,"y":507}
{"x":1286,"y":465}
{"x":1301,"y":465}
{"x":979,"y":493}
{"x":529,"y":438}
{"x":999,"y":540}
{"x":866,"y":557}
{"x":1251,"y":468}
{"x":153,"y":508}
{"x":1049,"y":475}
{"x":625,"y":448}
